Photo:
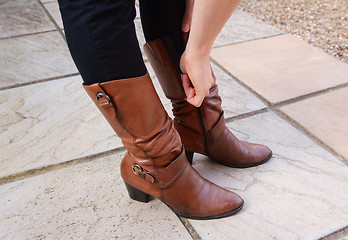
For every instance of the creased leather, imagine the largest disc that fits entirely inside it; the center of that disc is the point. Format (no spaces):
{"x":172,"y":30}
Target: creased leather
{"x":203,"y":129}
{"x":153,"y":143}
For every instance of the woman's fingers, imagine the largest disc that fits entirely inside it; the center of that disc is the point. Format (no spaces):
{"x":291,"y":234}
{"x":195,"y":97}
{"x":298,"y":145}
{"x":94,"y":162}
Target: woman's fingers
{"x":186,"y":21}
{"x":188,"y":88}
{"x":192,"y":97}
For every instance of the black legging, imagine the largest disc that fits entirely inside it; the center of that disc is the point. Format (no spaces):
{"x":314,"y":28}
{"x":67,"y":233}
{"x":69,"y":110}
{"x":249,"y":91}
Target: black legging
{"x":101,"y":34}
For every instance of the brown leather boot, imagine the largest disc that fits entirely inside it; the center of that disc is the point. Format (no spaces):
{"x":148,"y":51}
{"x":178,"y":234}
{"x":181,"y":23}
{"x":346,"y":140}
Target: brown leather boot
{"x":201,"y":129}
{"x":155,"y":164}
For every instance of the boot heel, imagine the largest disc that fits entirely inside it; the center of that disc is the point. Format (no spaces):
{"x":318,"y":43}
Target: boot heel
{"x":137,"y":195}
{"x":189,"y":156}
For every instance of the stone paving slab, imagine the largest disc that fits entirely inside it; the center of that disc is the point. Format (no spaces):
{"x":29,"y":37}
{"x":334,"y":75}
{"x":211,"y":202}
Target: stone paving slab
{"x":85,"y":201}
{"x":326,"y":116}
{"x":48,"y":123}
{"x":281,"y":67}
{"x":236,"y":99}
{"x":31,"y":58}
{"x":19,"y":17}
{"x":244,"y":27}
{"x":301,"y":193}
{"x":53,"y":9}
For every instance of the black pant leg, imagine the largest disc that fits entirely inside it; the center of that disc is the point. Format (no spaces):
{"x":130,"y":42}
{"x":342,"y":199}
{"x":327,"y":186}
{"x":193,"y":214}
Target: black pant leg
{"x":101,"y":38}
{"x":163,"y":18}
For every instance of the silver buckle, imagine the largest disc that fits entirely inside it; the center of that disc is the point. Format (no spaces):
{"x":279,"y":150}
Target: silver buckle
{"x":102,"y":95}
{"x":142,"y":172}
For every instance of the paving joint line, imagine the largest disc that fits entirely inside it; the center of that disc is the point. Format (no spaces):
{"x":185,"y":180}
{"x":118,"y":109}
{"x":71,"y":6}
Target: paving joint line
{"x":28,"y":34}
{"x":53,"y":167}
{"x":38,"y":81}
{"x":249,"y":40}
{"x":336,"y":235}
{"x":191,"y":230}
{"x":309,"y":95}
{"x":48,"y":14}
{"x":247,"y":114}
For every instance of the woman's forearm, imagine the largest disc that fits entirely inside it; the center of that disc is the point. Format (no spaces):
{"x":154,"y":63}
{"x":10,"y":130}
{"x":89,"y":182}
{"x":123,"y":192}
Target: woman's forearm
{"x":208,"y":18}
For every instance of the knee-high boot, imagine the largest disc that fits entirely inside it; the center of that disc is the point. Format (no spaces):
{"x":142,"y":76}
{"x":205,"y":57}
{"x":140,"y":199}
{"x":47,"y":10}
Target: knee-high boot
{"x":201,"y":129}
{"x":155,"y":164}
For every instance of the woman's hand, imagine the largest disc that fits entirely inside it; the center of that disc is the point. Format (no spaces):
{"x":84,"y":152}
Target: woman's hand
{"x":197,"y":77}
{"x":204,"y":19}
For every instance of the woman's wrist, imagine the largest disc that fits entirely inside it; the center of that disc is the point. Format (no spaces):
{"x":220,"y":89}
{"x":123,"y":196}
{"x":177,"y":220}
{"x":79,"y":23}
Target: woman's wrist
{"x":195,"y":53}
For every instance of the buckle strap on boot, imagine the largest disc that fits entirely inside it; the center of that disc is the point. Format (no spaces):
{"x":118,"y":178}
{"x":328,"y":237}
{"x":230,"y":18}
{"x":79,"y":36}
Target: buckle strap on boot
{"x":102,"y":100}
{"x":165,"y":178}
{"x":142,"y":173}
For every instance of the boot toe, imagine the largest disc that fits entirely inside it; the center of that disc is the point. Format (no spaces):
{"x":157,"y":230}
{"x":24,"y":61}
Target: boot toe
{"x":262,"y":153}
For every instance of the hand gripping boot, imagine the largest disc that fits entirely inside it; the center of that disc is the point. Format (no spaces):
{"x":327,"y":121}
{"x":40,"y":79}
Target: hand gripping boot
{"x":201,"y":129}
{"x":155,"y":164}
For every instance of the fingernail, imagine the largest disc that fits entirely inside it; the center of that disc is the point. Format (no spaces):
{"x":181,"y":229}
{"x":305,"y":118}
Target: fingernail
{"x":185,"y":27}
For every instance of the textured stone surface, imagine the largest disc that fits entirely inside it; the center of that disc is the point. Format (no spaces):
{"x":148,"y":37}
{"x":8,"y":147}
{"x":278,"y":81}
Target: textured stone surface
{"x":326,"y":116}
{"x":53,"y":9}
{"x":235,"y":98}
{"x":19,"y":17}
{"x":345,"y":238}
{"x":86,"y":201}
{"x":281,"y":67}
{"x":35,"y":57}
{"x":243,"y":27}
{"x":301,"y":193}
{"x":51,"y":122}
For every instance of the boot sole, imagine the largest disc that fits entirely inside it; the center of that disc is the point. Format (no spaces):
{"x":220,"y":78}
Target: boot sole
{"x":189,"y":156}
{"x":141,"y":196}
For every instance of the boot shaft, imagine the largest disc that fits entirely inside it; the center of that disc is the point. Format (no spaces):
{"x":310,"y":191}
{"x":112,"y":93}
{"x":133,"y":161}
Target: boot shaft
{"x":134,"y":110}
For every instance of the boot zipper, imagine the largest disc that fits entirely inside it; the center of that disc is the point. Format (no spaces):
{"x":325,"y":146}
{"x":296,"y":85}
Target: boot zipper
{"x":203,"y":130}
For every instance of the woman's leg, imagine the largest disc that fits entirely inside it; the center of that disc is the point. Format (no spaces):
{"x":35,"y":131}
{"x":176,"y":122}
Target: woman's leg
{"x":163,"y":19}
{"x":102,"y":40}
{"x":199,"y":128}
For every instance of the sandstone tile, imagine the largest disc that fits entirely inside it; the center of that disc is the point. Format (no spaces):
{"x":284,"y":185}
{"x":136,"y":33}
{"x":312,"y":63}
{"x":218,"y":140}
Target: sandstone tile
{"x":301,"y":193}
{"x":281,"y":67}
{"x":326,"y":116}
{"x":235,"y":98}
{"x":85,"y":201}
{"x":243,"y":27}
{"x":47,"y":123}
{"x":53,"y":9}
{"x":30,"y":58}
{"x":19,"y":17}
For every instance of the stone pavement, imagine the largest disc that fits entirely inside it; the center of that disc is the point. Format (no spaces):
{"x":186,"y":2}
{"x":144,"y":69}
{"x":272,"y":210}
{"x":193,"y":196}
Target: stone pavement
{"x":59,"y":165}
